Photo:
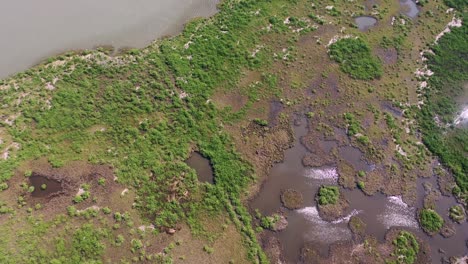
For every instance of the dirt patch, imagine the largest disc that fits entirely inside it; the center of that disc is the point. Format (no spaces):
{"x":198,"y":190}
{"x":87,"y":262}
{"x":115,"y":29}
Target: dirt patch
{"x":331,"y":212}
{"x":346,"y":175}
{"x":276,"y":107}
{"x":448,"y":230}
{"x":388,"y":56}
{"x":372,"y":182}
{"x":357,"y":227}
{"x":235,"y":101}
{"x":292,"y":199}
{"x":272,"y":247}
{"x":56,"y":188}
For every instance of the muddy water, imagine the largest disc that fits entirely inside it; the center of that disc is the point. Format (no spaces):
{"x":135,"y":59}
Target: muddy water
{"x":365,"y":22}
{"x":453,"y":246}
{"x":379,"y":212}
{"x":202,"y":166}
{"x":409,"y":8}
{"x":34,"y":30}
{"x":52,"y":186}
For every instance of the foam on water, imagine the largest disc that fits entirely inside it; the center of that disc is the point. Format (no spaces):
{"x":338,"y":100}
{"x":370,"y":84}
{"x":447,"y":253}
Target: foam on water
{"x":398,"y":213}
{"x":324,"y":174}
{"x":323,"y":231}
{"x":346,"y":218}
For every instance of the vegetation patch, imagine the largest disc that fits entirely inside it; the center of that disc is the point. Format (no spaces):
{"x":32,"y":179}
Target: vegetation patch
{"x":457,"y":213}
{"x":406,"y":248}
{"x":355,"y":58}
{"x":328,"y":195}
{"x":430,"y":221}
{"x":444,"y":86}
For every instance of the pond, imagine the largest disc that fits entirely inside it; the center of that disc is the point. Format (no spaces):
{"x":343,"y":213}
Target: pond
{"x":44,"y":187}
{"x":34,"y":30}
{"x":202,"y":166}
{"x":409,"y":8}
{"x":365,"y":22}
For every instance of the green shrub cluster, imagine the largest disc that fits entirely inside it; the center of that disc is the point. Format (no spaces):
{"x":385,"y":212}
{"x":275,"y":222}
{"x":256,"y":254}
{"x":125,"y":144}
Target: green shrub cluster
{"x":328,"y":195}
{"x":355,"y":58}
{"x":450,"y":68}
{"x":430,"y":220}
{"x":406,"y":248}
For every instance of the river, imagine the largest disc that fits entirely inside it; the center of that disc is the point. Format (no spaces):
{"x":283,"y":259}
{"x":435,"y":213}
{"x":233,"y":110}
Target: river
{"x":34,"y":30}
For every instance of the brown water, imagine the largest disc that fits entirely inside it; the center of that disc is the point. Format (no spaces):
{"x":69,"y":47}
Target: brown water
{"x":365,"y":22}
{"x":202,"y":166}
{"x":379,"y":212}
{"x":409,"y":8}
{"x":33,"y":30}
{"x":52,"y":186}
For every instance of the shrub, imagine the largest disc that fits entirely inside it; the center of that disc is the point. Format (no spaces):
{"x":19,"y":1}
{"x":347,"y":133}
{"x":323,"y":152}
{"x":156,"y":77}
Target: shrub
{"x":261,"y":122}
{"x":406,"y":247}
{"x":328,"y":195}
{"x":208,"y":249}
{"x":355,"y":58}
{"x":430,"y":220}
{"x":86,"y":245}
{"x":136,"y":245}
{"x":268,"y":222}
{"x":3,"y":186}
{"x":457,"y":213}
{"x":102,"y":181}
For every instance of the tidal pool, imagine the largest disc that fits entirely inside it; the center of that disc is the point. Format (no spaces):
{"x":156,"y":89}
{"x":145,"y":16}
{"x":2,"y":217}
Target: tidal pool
{"x":34,"y":30}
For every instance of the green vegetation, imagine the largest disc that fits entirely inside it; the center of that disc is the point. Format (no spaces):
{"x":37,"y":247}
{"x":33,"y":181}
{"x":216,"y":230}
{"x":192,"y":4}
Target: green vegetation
{"x":268,"y":222}
{"x":406,"y":248}
{"x":430,"y":220}
{"x":328,"y":195}
{"x":450,"y":75}
{"x":457,"y":213}
{"x":354,"y":126}
{"x":142,"y":113}
{"x":355,"y":58}
{"x":86,"y":245}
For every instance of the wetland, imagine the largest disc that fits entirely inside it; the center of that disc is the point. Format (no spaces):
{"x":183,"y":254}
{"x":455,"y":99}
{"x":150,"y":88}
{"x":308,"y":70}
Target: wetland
{"x":257,"y":132}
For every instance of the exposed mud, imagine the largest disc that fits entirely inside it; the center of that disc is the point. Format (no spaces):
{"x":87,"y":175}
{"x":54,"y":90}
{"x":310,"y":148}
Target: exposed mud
{"x":45,"y":187}
{"x":54,"y":188}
